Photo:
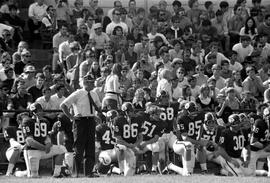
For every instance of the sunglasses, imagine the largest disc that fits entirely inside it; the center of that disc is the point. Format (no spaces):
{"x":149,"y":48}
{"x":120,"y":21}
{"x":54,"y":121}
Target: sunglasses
{"x":83,"y":28}
{"x":27,"y":56}
{"x":7,"y":34}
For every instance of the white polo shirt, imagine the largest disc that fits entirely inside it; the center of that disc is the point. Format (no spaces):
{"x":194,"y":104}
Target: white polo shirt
{"x":37,"y":11}
{"x":80,"y":102}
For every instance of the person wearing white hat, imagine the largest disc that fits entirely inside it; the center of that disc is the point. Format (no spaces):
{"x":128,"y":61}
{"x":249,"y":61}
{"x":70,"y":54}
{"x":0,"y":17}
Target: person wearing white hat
{"x":99,"y":37}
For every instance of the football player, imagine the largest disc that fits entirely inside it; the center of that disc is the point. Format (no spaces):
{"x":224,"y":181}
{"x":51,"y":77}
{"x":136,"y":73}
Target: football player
{"x":259,"y":142}
{"x":210,"y":131}
{"x":189,"y":125}
{"x":61,"y":134}
{"x":231,"y":144}
{"x":15,"y":137}
{"x":106,"y":143}
{"x":127,"y":131}
{"x":38,"y":143}
{"x":152,"y":130}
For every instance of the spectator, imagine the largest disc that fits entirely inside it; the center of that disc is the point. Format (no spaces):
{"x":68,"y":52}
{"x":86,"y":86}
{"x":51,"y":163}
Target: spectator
{"x":186,"y":95}
{"x":36,"y":12}
{"x":58,"y":38}
{"x":118,"y":38}
{"x":195,"y":89}
{"x":126,"y":19}
{"x":253,"y":83}
{"x":138,"y":100}
{"x":28,"y":76}
{"x":244,"y":48}
{"x":176,"y":90}
{"x":25,"y":59}
{"x":63,"y":13}
{"x":177,"y":6}
{"x":142,"y":46}
{"x":248,"y":102}
{"x":84,"y":16}
{"x":16,"y":57}
{"x":235,"y":24}
{"x":64,"y":49}
{"x":45,"y":101}
{"x":263,"y":28}
{"x":94,"y":70}
{"x":216,"y":75}
{"x":141,"y":20}
{"x":36,"y":90}
{"x":93,"y":5}
{"x":5,"y":7}
{"x":77,"y":12}
{"x":153,"y":35}
{"x":227,"y":14}
{"x":49,"y":22}
{"x":116,"y":21}
{"x":6,"y":41}
{"x":222,"y":29}
{"x":82,"y":36}
{"x":245,"y":11}
{"x":200,"y":76}
{"x":140,"y":79}
{"x":214,"y":91}
{"x":130,"y":55}
{"x":164,"y":84}
{"x":208,"y":33}
{"x":12,"y":19}
{"x":100,"y":18}
{"x":116,"y":6}
{"x":250,"y":28}
{"x":163,"y":7}
{"x":204,"y":101}
{"x":58,"y":97}
{"x":234,"y":63}
{"x":214,"y":53}
{"x":112,"y":98}
{"x":100,"y":38}
{"x":188,"y":63}
{"x":85,"y":66}
{"x":209,"y":9}
{"x":231,"y":99}
{"x":194,"y":13}
{"x":237,"y":82}
{"x":197,"y":53}
{"x":8,"y":81}
{"x":225,"y":72}
{"x":135,"y":35}
{"x":132,"y":9}
{"x":48,"y":77}
{"x":177,"y":51}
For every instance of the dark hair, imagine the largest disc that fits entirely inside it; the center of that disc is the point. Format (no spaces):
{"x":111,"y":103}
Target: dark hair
{"x":236,"y":6}
{"x":46,"y":89}
{"x":163,"y":49}
{"x":13,"y":7}
{"x":207,"y":4}
{"x":223,"y":62}
{"x":232,"y":52}
{"x":123,"y":10}
{"x":219,"y":13}
{"x":175,"y":18}
{"x":176,"y":41}
{"x":245,"y":38}
{"x":191,"y":2}
{"x":223,"y":4}
{"x":114,"y":3}
{"x":251,"y":29}
{"x":177,"y":3}
{"x":191,"y":78}
{"x":116,"y":69}
{"x":267,"y":16}
{"x":47,"y":67}
{"x":59,"y":87}
{"x":99,"y":11}
{"x":140,"y":10}
{"x":206,"y":23}
{"x":7,"y":69}
{"x":115,"y":28}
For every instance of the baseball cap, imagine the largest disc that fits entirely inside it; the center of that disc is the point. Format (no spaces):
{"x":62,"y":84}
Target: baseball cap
{"x":177,"y":61}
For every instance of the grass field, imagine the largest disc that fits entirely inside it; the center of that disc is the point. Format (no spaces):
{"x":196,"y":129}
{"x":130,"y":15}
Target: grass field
{"x":142,"y":179}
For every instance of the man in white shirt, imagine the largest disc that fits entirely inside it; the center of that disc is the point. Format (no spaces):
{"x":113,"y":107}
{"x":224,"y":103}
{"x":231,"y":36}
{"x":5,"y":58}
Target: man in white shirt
{"x":220,"y":81}
{"x":100,"y":38}
{"x":234,"y":64}
{"x":243,"y":48}
{"x":116,"y":22}
{"x":36,"y":12}
{"x":64,"y":48}
{"x":85,"y":102}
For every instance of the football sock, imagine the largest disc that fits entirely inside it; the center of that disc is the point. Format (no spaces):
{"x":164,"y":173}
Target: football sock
{"x":10,"y":169}
{"x":57,"y":170}
{"x":175,"y":168}
{"x":203,"y":166}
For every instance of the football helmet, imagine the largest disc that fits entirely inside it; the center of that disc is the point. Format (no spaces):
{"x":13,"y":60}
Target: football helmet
{"x":111,"y":114}
{"x":191,"y":107}
{"x":244,"y":121}
{"x":234,"y":121}
{"x":35,"y":108}
{"x":127,"y":107}
{"x":163,"y":97}
{"x":210,"y":121}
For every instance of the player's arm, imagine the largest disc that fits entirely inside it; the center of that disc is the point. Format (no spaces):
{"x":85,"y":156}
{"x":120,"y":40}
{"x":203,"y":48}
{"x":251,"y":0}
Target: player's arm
{"x":151,"y":141}
{"x":185,"y":137}
{"x":30,"y":141}
{"x":139,"y":140}
{"x":60,"y":137}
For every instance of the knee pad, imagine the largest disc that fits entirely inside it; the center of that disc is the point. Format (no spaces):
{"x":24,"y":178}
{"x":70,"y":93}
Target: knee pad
{"x":104,"y":158}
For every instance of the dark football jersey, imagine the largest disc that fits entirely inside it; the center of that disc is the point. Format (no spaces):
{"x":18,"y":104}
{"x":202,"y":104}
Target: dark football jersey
{"x":233,"y":142}
{"x":191,"y":124}
{"x":105,"y":136}
{"x":38,"y":130}
{"x":169,"y":115}
{"x":261,"y":132}
{"x":128,"y":130}
{"x":15,"y":133}
{"x":152,"y":127}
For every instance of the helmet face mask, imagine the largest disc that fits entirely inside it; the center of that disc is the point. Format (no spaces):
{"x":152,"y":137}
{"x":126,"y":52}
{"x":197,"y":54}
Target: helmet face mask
{"x":234,"y":122}
{"x":210,"y":125}
{"x":128,"y":108}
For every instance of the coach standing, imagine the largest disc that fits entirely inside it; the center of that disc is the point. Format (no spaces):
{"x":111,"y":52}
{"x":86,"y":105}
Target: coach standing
{"x":84,"y":102}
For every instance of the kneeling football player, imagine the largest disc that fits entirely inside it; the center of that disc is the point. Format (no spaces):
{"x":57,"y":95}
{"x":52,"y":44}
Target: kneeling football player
{"x":38,"y":143}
